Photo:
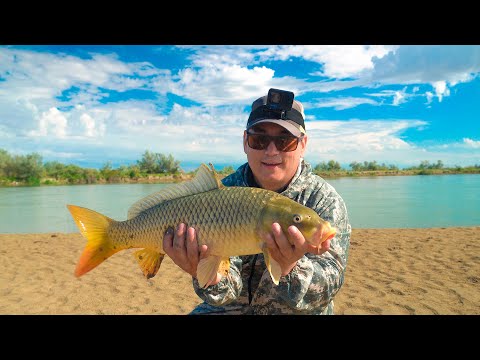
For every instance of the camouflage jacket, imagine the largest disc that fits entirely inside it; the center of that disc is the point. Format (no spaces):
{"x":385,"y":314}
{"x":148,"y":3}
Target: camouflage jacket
{"x":312,"y":284}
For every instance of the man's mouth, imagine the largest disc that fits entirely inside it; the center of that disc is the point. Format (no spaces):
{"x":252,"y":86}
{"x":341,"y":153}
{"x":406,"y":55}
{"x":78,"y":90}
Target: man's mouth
{"x":271,"y":164}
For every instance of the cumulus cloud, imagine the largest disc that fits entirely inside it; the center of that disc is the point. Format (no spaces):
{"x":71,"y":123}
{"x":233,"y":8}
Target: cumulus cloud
{"x":51,"y":122}
{"x":380,"y":140}
{"x":441,"y":89}
{"x":89,"y":124}
{"x":442,"y":67}
{"x":338,"y":61}
{"x":219,"y":85}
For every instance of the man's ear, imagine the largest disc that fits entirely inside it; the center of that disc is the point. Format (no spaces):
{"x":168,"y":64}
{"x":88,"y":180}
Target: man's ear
{"x":245,"y":141}
{"x":303,"y":145}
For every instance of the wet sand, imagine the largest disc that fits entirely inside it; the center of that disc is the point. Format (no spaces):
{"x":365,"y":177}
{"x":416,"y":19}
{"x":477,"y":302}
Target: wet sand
{"x":389,"y":271}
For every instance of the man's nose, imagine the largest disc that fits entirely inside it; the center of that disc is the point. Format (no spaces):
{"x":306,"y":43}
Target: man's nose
{"x":271,"y":149}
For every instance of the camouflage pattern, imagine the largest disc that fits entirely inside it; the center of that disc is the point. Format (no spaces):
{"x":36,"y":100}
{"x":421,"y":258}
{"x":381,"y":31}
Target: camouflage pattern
{"x":312,"y":284}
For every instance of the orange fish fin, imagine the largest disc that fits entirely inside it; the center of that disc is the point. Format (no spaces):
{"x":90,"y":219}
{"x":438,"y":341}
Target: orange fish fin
{"x":149,"y":261}
{"x":93,"y":226}
{"x":273,"y":267}
{"x":208,"y":268}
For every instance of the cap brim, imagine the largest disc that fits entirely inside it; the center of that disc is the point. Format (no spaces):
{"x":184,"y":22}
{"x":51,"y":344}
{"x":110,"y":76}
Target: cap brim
{"x":294,"y":130}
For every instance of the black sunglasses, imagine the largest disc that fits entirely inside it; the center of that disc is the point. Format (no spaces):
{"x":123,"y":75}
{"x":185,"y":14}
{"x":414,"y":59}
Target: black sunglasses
{"x":283,"y":143}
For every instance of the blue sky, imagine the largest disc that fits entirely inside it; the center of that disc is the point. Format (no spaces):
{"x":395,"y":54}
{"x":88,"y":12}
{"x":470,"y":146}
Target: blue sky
{"x":87,"y":105}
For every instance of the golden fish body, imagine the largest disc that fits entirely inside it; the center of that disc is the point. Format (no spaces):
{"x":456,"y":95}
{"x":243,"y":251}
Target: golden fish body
{"x":220,"y":217}
{"x":229,"y":220}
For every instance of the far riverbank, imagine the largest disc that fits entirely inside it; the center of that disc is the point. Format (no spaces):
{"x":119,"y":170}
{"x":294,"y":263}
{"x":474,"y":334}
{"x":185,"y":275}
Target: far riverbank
{"x":183,"y":176}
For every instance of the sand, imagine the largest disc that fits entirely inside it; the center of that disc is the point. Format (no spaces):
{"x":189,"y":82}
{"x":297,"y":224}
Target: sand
{"x":389,"y":271}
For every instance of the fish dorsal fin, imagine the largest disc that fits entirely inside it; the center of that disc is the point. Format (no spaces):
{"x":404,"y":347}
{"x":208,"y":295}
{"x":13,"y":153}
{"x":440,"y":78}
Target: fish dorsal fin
{"x":204,"y":180}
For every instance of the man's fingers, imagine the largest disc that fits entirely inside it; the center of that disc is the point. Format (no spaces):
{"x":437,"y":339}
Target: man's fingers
{"x":271,"y":243}
{"x":168,"y":241}
{"x":179,"y":238}
{"x":283,"y":244}
{"x":203,"y":251}
{"x":192,"y":245}
{"x":298,"y":239}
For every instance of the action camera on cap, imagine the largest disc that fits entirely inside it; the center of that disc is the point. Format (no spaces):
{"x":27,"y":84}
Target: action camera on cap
{"x":279,"y":100}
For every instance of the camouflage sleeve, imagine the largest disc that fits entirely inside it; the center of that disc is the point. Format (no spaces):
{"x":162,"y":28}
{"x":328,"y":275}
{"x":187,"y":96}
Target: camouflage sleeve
{"x":316,"y":279}
{"x":227,"y":290}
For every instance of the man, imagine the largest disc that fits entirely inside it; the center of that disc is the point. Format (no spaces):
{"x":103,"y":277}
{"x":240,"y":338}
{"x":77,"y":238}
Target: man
{"x":275,"y":141}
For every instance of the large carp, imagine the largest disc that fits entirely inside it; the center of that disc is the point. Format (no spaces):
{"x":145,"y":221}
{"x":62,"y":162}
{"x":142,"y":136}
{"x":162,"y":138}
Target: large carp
{"x":229,"y":220}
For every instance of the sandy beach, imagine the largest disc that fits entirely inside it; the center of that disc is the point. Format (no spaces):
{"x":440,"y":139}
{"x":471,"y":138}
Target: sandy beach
{"x":389,"y":271}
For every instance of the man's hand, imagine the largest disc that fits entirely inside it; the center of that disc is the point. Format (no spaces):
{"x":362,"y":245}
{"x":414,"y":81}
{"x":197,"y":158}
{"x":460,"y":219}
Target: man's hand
{"x":182,"y":247}
{"x":287,"y":254}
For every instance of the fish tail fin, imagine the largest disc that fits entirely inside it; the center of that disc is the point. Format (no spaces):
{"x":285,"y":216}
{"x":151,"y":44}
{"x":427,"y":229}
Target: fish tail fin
{"x":93,"y":226}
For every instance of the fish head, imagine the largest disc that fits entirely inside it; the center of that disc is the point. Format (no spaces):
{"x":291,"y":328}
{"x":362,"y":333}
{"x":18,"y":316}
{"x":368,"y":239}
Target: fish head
{"x":287,"y":212}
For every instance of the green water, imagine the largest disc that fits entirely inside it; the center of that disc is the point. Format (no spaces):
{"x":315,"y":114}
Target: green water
{"x":376,"y":202}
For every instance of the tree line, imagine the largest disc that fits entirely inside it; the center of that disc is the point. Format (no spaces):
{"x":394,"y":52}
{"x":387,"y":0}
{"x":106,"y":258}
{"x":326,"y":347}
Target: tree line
{"x":31,"y":170}
{"x":332,"y":168}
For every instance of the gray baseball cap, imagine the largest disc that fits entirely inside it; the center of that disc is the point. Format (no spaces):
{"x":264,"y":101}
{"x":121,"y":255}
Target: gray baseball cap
{"x":293,"y":120}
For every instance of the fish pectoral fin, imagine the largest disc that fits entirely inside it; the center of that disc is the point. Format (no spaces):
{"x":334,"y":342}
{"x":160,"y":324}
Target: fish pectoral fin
{"x":149,"y":261}
{"x":273,"y":267}
{"x":208,"y":268}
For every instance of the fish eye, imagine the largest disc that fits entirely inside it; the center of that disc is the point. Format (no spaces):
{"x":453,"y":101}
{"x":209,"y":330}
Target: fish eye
{"x":297,"y":218}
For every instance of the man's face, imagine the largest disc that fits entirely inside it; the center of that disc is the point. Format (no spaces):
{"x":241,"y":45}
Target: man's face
{"x":273,"y":169}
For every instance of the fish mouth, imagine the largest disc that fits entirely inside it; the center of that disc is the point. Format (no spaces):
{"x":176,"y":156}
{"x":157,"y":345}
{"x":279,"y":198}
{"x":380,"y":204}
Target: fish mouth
{"x":326,"y":233}
{"x":329,"y":234}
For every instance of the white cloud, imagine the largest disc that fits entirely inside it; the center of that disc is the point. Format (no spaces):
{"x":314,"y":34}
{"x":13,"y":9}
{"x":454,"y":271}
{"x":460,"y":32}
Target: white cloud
{"x":89,"y":124}
{"x":399,"y":97}
{"x":340,"y":103}
{"x":471,"y":143}
{"x":441,"y":89}
{"x":339,"y":61}
{"x":41,"y":77}
{"x":51,"y":122}
{"x":441,"y":66}
{"x":231,"y":74}
{"x":380,"y":140}
{"x":357,"y":136}
{"x":224,"y":56}
{"x":429,"y":96}
{"x":220,"y":84}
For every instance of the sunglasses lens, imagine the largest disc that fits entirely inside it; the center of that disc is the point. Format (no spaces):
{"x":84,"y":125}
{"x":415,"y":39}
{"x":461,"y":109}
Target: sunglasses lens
{"x":282,"y":143}
{"x":257,"y":142}
{"x":286,"y":143}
